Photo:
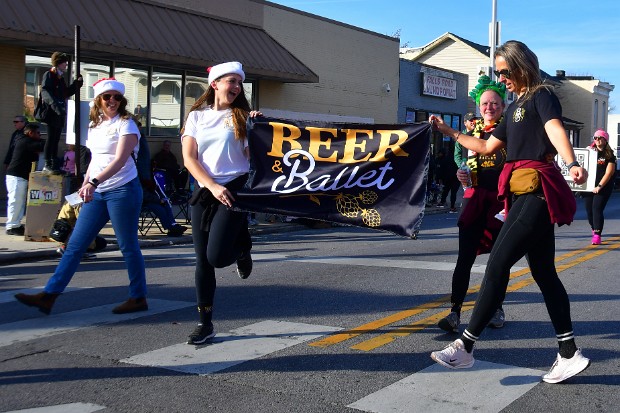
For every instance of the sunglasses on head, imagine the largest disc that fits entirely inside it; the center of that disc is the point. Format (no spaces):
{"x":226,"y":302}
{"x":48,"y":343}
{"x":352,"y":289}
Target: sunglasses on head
{"x":117,"y":96}
{"x":504,"y":72}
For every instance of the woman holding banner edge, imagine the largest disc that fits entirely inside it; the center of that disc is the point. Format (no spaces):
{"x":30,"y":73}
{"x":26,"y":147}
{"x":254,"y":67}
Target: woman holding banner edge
{"x":215,"y":152}
{"x":532,"y":132}
{"x":478,"y":226}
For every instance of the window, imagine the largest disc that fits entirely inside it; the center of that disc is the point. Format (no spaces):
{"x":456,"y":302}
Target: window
{"x":595,"y":125}
{"x":165,"y":104}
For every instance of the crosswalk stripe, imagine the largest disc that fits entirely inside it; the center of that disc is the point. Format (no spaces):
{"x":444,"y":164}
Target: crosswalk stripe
{"x":63,"y":408}
{"x":47,"y":326}
{"x":486,"y":387}
{"x":229,"y":349}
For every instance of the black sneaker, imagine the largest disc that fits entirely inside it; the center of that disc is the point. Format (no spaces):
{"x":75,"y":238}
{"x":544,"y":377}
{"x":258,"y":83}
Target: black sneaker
{"x":201,"y":334}
{"x":176,"y":230}
{"x":16,"y":231}
{"x":244,"y":265}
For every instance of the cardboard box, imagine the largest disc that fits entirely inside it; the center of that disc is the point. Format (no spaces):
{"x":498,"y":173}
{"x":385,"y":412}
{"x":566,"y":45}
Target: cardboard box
{"x":46,"y":194}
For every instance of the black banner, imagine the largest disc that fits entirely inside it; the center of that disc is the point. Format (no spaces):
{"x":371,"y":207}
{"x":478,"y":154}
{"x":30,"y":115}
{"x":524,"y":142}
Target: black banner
{"x":372,"y":176}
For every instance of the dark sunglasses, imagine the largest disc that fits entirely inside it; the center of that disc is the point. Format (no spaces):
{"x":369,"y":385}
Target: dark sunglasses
{"x":504,"y":72}
{"x":17,"y":121}
{"x":596,"y":138}
{"x":117,"y":96}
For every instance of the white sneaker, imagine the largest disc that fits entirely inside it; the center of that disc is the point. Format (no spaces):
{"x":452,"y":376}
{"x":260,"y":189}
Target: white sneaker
{"x":564,"y":369}
{"x":454,"y":356}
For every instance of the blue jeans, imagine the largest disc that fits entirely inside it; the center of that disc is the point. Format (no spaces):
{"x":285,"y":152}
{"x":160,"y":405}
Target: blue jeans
{"x":17,"y":189}
{"x":163,"y":212}
{"x":121,"y":206}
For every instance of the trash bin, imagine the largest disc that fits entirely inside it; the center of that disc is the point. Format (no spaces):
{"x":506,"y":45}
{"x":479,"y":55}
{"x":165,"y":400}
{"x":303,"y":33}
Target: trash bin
{"x":45,"y":198}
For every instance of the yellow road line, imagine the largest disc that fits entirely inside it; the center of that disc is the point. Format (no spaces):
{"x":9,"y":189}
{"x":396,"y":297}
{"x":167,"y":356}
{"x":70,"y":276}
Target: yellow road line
{"x":432,"y":320}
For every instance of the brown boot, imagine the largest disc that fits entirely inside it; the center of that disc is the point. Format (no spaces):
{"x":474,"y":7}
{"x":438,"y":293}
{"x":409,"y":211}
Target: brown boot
{"x":43,"y":301}
{"x":131,"y":306}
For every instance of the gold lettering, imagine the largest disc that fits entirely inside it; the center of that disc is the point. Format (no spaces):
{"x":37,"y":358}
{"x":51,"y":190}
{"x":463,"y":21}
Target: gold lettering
{"x":316,"y":143}
{"x":278,"y":138}
{"x":384,"y":144}
{"x":351,"y":145}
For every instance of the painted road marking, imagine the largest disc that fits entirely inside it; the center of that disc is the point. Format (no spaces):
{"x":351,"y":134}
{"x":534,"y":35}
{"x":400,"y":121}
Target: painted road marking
{"x":155,"y":254}
{"x":486,"y":387}
{"x":64,"y":408}
{"x":229,"y":349}
{"x":589,"y":252}
{"x":54,"y":324}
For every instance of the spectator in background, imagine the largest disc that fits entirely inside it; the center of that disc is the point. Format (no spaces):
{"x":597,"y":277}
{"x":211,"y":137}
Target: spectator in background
{"x":166,"y":160}
{"x":460,"y":153}
{"x":19,"y":122}
{"x":54,"y":93}
{"x":153,"y":197}
{"x":25,"y":152}
{"x":69,"y":160}
{"x":446,"y":174}
{"x":596,"y":200}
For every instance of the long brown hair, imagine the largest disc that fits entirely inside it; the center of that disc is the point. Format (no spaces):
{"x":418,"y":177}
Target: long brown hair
{"x":524,"y":68}
{"x":607,"y":152}
{"x":240,"y":109}
{"x":97,"y":109}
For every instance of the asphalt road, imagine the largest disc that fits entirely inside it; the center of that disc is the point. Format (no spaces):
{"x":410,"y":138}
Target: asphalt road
{"x":331,"y":320}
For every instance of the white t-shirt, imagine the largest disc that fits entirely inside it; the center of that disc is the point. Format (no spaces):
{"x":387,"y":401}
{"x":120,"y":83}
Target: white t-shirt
{"x":221,"y":155}
{"x":102,"y":141}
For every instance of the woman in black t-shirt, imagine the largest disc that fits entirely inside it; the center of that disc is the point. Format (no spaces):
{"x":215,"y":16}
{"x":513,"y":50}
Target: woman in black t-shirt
{"x":596,"y":200}
{"x":532,"y":133}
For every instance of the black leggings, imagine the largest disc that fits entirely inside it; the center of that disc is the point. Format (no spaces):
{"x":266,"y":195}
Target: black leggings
{"x":469,"y":242}
{"x":527,"y":231}
{"x":219,"y":247}
{"x":595,"y":204}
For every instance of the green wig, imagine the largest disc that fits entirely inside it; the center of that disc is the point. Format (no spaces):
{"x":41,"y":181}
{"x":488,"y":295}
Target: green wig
{"x":485,"y":83}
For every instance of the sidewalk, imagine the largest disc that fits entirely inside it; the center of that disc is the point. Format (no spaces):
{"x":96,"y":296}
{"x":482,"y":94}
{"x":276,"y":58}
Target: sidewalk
{"x":15,"y":248}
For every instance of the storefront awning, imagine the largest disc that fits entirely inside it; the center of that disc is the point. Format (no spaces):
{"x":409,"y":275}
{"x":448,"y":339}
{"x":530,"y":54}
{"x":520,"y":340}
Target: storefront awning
{"x":143,"y":33}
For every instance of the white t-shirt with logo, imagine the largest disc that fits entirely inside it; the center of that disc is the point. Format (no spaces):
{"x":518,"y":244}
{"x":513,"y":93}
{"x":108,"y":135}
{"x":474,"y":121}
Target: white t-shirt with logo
{"x":221,"y":155}
{"x":102,"y":141}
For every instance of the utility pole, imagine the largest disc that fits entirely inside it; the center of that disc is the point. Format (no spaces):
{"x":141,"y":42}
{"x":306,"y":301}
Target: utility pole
{"x":493,"y":36}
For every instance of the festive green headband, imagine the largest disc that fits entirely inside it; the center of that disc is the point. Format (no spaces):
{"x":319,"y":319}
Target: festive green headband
{"x":485,"y":83}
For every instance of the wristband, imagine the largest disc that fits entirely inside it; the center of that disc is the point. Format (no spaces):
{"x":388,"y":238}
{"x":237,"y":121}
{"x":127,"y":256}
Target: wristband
{"x":570,"y":165}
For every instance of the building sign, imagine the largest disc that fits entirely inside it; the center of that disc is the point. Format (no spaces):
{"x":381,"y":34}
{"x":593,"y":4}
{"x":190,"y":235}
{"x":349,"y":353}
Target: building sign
{"x":438,"y":86}
{"x":587,"y":159}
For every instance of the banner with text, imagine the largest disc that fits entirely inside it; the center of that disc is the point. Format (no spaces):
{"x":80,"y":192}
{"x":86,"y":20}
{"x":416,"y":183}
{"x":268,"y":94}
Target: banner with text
{"x":372,"y":176}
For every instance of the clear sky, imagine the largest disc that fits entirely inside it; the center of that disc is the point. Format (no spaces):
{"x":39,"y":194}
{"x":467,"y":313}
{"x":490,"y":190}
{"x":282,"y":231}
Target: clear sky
{"x":580,"y":37}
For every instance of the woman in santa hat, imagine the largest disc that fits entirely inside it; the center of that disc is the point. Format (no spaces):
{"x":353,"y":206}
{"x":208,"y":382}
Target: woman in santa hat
{"x":111,"y":191}
{"x":215,"y":152}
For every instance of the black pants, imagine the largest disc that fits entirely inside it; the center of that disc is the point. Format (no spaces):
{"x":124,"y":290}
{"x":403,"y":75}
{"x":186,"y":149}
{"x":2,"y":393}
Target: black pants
{"x":219,"y":247}
{"x":50,"y":151}
{"x":527,"y":231}
{"x":595,"y":204}
{"x":469,"y":241}
{"x":451,"y":185}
